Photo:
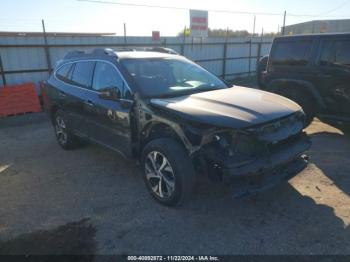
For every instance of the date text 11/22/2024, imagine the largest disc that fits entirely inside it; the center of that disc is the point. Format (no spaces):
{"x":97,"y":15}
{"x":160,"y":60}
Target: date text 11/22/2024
{"x":173,"y":258}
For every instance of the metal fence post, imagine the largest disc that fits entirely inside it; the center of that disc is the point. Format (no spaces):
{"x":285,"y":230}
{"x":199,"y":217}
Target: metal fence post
{"x":250,"y":55}
{"x":258,"y":56}
{"x":47,"y":51}
{"x":224,"y":60}
{"x":2,"y":72}
{"x":182,"y":49}
{"x":183,"y":42}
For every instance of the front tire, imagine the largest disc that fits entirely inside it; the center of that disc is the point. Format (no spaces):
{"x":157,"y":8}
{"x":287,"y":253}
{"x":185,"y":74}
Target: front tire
{"x":261,"y":68}
{"x":168,"y":171}
{"x":304,"y":100}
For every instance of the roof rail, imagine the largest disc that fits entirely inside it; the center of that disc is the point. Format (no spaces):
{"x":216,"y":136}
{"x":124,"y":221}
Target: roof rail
{"x":113,"y":53}
{"x":96,"y":51}
{"x":161,"y":50}
{"x":125,"y":49}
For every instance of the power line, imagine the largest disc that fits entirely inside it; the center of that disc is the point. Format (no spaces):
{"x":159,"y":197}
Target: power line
{"x":176,"y":7}
{"x":212,"y":10}
{"x":336,"y":8}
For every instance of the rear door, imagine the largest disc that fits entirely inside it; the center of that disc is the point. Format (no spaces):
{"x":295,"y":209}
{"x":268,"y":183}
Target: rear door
{"x":60,"y":85}
{"x":334,"y":74}
{"x":77,"y":95}
{"x":109,"y":119}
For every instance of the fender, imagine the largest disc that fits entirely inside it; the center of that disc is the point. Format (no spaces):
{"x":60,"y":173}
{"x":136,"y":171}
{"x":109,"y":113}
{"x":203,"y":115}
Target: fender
{"x":175,"y":127}
{"x":278,"y":84}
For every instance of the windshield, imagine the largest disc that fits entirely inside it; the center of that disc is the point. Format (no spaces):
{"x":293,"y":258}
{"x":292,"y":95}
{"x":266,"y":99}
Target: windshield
{"x":161,"y":77}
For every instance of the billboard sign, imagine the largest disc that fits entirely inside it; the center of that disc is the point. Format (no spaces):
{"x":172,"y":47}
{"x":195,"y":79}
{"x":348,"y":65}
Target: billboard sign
{"x":155,"y":35}
{"x":199,"y":23}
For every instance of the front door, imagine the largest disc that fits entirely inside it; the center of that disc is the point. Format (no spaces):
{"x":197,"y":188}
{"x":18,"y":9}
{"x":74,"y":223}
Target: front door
{"x":108,"y":119}
{"x":334,"y":76}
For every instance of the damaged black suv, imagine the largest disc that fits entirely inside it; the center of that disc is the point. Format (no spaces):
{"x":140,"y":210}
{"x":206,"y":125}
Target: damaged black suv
{"x":177,"y":119}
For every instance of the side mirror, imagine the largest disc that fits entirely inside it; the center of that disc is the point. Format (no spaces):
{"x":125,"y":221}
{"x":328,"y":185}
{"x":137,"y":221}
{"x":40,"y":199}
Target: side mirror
{"x":111,"y":93}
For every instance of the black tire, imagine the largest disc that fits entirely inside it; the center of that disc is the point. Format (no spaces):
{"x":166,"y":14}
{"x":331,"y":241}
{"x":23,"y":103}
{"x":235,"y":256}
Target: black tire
{"x":261,"y":68}
{"x":181,"y":171}
{"x":306,"y":102}
{"x":70,"y":141}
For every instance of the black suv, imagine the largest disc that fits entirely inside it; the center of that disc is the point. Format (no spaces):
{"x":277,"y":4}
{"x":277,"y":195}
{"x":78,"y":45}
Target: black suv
{"x":176,"y":119}
{"x":312,"y":70}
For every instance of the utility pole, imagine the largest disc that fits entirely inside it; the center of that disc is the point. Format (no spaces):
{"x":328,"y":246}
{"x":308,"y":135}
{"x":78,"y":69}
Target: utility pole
{"x":254,"y":25}
{"x":2,"y":73}
{"x":47,"y":51}
{"x":124,"y":33}
{"x":284,"y":23}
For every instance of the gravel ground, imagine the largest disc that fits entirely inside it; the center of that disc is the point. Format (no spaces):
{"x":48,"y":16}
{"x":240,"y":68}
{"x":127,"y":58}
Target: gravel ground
{"x":92,"y":200}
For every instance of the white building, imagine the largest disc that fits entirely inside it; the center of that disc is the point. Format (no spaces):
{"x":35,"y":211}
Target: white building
{"x":319,"y":26}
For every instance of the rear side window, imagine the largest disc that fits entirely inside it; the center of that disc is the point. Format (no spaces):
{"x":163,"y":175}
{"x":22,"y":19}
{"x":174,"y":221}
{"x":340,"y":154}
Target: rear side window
{"x":293,"y":53}
{"x":82,"y":74}
{"x":63,"y":72}
{"x":336,"y":53}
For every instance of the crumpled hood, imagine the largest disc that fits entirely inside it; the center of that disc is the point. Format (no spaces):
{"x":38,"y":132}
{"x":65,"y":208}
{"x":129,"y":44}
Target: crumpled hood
{"x":236,"y":107}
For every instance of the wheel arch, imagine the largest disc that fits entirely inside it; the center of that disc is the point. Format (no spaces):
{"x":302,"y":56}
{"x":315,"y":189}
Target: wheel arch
{"x":159,"y":129}
{"x":276,"y":86}
{"x":54,"y":108}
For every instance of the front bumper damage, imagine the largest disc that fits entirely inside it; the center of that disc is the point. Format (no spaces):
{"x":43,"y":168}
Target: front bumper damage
{"x":252,"y":164}
{"x":268,"y":178}
{"x":267,"y":172}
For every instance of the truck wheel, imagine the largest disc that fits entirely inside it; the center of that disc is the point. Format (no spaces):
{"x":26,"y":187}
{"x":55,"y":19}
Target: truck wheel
{"x":304,"y":100}
{"x":168,"y":171}
{"x":64,"y":136}
{"x":261,"y":68}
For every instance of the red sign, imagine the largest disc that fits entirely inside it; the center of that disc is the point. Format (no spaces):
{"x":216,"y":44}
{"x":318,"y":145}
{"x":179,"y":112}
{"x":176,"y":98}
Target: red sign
{"x":199,"y":23}
{"x":155,"y":35}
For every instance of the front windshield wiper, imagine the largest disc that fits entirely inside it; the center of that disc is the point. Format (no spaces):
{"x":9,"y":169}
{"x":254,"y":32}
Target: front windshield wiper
{"x":189,"y":92}
{"x":206,"y":89}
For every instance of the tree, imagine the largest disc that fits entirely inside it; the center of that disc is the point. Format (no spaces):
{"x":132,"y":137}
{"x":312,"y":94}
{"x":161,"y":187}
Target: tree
{"x":229,"y":33}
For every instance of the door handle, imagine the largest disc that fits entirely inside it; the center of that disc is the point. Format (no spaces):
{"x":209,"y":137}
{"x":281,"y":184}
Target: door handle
{"x":88,"y":103}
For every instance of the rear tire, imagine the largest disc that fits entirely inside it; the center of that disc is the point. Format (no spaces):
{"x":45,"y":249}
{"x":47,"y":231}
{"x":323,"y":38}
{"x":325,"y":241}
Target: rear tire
{"x":168,"y":171}
{"x":65,"y":138}
{"x":304,"y":100}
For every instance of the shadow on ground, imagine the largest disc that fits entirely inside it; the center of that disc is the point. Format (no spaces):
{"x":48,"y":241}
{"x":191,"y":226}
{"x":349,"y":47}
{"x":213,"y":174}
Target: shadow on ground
{"x":70,"y":239}
{"x":331,"y":154}
{"x":292,"y":218}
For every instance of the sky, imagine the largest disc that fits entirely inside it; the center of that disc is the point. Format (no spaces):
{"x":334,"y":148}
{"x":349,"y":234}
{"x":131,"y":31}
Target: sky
{"x":80,"y":16}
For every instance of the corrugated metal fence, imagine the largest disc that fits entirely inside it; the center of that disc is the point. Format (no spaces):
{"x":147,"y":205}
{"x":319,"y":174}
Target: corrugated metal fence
{"x":27,"y":58}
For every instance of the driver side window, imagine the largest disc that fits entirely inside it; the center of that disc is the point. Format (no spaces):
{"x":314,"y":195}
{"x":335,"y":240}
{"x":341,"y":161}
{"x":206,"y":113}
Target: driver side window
{"x":106,"y":77}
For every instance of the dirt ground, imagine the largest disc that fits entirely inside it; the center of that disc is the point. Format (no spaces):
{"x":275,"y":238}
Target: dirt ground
{"x":93,"y":201}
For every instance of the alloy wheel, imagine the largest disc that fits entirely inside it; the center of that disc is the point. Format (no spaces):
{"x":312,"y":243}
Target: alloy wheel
{"x":61,"y":131}
{"x":159,"y":174}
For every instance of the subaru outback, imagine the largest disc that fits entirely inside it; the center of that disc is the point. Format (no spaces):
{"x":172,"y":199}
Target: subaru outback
{"x":177,"y":120}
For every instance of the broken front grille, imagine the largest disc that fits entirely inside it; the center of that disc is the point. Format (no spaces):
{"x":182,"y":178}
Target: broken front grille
{"x":279,"y":130}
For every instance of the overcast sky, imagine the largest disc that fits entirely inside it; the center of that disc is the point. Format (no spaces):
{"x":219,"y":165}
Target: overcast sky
{"x":78,"y":16}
